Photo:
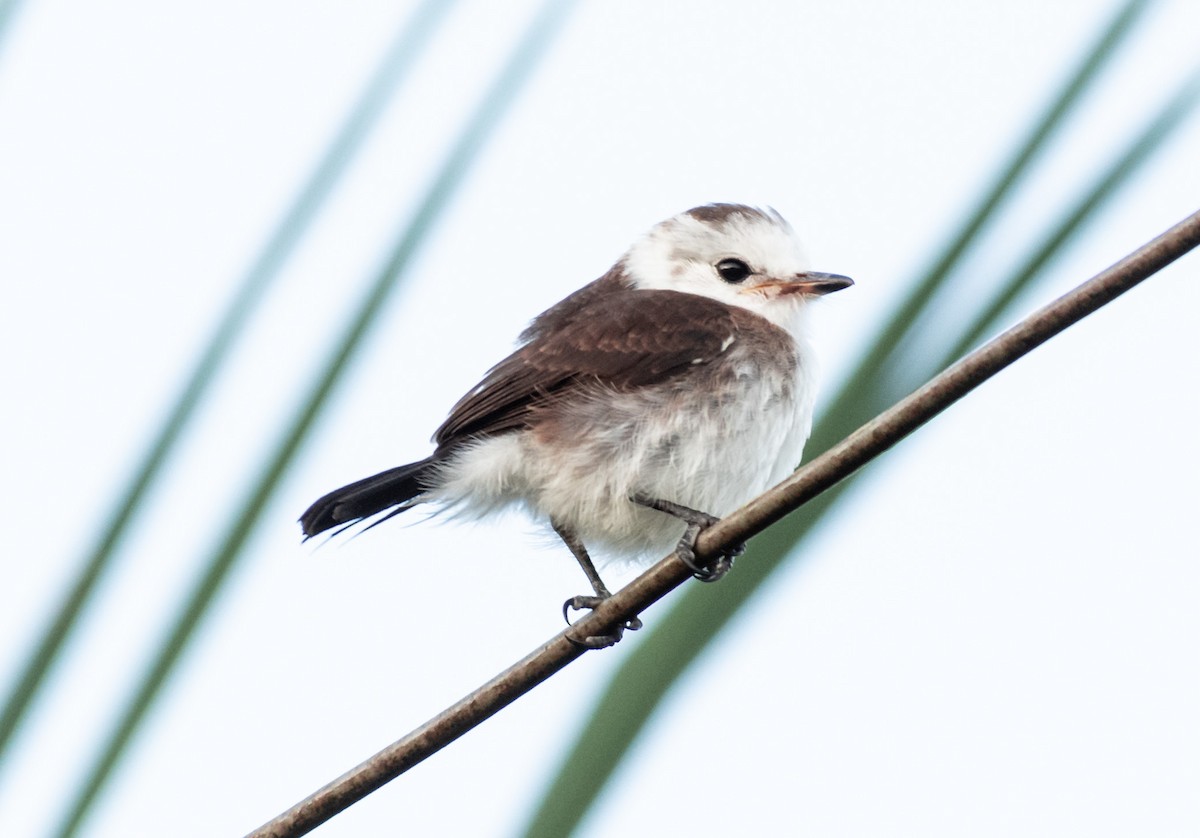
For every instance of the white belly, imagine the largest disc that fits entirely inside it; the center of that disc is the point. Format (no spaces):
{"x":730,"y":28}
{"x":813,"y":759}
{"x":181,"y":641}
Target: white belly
{"x":684,"y":446}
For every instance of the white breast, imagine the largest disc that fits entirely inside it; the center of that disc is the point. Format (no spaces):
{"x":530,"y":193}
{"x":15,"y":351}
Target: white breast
{"x":684,"y":444}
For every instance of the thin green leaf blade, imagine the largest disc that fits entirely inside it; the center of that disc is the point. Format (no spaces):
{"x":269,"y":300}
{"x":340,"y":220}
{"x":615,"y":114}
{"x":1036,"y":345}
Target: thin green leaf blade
{"x":696,"y":618}
{"x":1179,"y":107}
{"x":8,"y":13}
{"x":876,"y":360}
{"x":496,"y":102}
{"x":406,"y":47}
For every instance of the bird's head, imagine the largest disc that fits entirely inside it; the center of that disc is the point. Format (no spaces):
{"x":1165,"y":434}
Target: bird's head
{"x":736,"y":254}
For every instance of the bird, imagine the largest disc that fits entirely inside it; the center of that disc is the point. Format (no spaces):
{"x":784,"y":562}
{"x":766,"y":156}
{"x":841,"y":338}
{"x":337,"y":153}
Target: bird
{"x":636,"y":411}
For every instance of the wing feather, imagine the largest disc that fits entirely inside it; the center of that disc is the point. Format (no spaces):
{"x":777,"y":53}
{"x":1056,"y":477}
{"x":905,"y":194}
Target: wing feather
{"x":621,"y":340}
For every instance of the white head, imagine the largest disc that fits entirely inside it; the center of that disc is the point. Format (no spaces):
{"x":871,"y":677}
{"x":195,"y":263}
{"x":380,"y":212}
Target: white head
{"x":733,"y":253}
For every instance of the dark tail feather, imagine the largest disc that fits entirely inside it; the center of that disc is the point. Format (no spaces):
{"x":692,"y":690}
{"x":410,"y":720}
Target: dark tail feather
{"x":366,"y":497}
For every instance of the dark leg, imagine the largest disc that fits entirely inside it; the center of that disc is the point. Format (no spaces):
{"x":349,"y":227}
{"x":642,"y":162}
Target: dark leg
{"x":578,"y":603}
{"x":696,"y":522}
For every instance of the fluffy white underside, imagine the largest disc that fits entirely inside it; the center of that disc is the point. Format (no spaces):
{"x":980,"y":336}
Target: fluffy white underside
{"x":680,"y":445}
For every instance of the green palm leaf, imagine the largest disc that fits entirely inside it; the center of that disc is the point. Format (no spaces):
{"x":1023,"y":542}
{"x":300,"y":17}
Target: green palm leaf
{"x":649,"y":671}
{"x":407,"y":46}
{"x":495,"y":103}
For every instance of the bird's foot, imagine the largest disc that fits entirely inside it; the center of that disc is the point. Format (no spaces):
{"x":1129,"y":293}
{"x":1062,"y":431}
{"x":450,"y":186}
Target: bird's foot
{"x":686,"y":551}
{"x":596,"y":641}
{"x":697,"y":522}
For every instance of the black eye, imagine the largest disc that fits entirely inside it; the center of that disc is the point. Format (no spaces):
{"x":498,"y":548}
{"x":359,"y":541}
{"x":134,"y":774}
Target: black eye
{"x":733,"y":270}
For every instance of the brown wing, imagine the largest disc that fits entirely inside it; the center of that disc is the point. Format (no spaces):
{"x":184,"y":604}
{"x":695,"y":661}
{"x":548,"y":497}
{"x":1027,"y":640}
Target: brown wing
{"x":622,"y":340}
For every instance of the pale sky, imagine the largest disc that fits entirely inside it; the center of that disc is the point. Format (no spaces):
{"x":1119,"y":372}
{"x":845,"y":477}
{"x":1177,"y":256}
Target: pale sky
{"x":994,"y":634}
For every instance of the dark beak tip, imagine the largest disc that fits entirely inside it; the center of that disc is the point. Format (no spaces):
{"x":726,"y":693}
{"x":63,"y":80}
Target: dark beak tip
{"x":823,"y":283}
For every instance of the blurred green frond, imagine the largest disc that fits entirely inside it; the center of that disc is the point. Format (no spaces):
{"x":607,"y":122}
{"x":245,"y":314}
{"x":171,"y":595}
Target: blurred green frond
{"x":413,"y":36}
{"x":649,"y":671}
{"x":8,"y":13}
{"x":494,"y":104}
{"x":1119,"y":171}
{"x":878,"y":359}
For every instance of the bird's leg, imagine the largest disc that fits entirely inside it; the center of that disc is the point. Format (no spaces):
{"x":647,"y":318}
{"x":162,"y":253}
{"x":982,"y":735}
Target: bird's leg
{"x":696,"y":522}
{"x":578,"y":603}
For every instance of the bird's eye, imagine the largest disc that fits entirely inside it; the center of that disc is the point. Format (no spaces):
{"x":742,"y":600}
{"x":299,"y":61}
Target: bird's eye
{"x":733,"y":270}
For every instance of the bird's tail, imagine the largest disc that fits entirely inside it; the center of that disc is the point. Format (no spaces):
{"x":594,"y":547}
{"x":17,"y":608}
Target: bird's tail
{"x":366,"y":497}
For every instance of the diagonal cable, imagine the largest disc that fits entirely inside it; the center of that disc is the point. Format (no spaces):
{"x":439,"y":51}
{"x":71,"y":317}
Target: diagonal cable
{"x":651,"y":669}
{"x":809,"y":482}
{"x":646,"y":676}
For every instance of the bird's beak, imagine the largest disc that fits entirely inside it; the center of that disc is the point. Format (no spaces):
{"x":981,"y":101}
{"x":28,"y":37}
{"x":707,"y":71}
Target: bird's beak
{"x":813,"y":284}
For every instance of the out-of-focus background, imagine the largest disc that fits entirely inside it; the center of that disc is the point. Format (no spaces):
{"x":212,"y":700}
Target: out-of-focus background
{"x":994,"y":634}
